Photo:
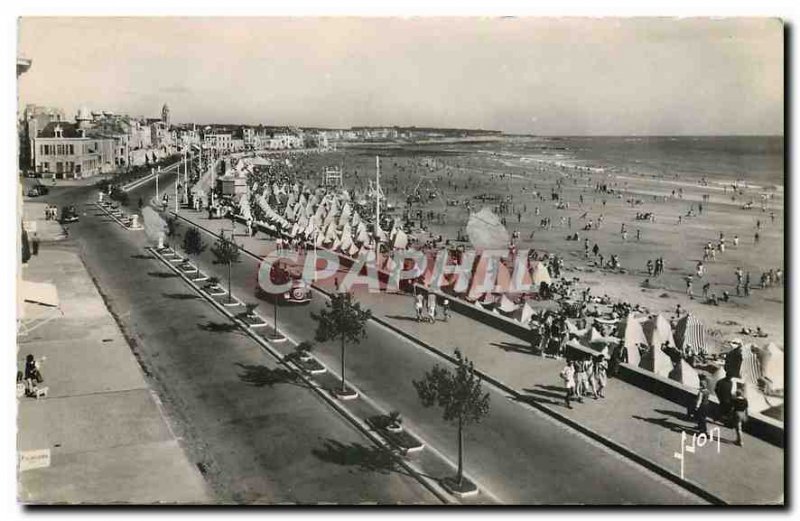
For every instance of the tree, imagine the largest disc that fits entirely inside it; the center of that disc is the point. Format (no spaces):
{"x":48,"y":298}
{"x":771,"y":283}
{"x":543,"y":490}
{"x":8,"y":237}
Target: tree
{"x":193,"y":244}
{"x":26,"y":249}
{"x":344,"y":319}
{"x":460,"y":396}
{"x":172,"y":226}
{"x":226,"y":252}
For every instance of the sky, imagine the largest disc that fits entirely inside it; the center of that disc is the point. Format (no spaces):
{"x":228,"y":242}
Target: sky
{"x":546,"y":76}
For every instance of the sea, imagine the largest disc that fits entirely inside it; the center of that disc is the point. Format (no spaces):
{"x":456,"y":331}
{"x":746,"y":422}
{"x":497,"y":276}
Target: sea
{"x":758,"y":160}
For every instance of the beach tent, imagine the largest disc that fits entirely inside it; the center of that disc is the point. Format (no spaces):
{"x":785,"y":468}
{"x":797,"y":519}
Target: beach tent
{"x":479,"y":272}
{"x":503,"y":280}
{"x":400,"y":240}
{"x":573,"y":330}
{"x":632,"y":335}
{"x":657,"y":361}
{"x":690,"y":331}
{"x":523,"y":314}
{"x":658,"y":331}
{"x":751,"y":368}
{"x":594,"y":338}
{"x":540,"y":274}
{"x":770,"y":359}
{"x":506,"y":305}
{"x":686,"y":374}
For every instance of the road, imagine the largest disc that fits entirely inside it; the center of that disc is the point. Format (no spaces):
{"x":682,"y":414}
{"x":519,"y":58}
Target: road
{"x":520,"y":454}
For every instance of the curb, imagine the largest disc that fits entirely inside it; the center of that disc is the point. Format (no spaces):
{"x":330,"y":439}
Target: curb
{"x":605,"y":441}
{"x":428,"y":483}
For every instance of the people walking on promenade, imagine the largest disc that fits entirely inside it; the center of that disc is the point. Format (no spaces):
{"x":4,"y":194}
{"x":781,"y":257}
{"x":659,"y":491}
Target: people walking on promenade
{"x":446,"y":310}
{"x":701,"y":406}
{"x":739,"y":407}
{"x":418,"y":307}
{"x":601,"y":374}
{"x":568,"y":375}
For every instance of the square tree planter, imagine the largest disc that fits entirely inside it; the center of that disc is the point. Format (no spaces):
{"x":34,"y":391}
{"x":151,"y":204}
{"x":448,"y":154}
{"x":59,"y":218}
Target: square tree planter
{"x":404,"y":442}
{"x":310,"y":365}
{"x":466,"y":489}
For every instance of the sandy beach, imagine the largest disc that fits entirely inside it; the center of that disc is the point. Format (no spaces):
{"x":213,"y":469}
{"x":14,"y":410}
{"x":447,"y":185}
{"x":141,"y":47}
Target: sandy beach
{"x":458,"y":173}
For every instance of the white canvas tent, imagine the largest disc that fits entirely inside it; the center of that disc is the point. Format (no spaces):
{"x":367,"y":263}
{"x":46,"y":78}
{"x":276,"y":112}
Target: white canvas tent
{"x":658,"y":331}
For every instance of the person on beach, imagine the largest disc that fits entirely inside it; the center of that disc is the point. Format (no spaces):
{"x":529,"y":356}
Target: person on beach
{"x":649,"y":267}
{"x":568,"y":376}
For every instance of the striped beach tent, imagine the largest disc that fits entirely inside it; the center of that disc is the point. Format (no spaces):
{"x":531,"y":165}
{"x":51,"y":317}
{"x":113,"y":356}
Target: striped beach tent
{"x":690,"y":331}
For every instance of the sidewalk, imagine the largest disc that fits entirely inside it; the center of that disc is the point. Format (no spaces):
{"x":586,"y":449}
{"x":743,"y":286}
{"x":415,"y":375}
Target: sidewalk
{"x":643,"y":423}
{"x":99,"y":433}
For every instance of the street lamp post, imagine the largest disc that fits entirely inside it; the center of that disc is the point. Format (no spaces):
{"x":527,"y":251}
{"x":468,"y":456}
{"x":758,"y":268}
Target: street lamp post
{"x":153,"y":172}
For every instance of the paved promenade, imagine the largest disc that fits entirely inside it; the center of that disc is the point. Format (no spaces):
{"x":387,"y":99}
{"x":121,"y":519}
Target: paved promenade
{"x":99,"y":434}
{"x":644,"y":423}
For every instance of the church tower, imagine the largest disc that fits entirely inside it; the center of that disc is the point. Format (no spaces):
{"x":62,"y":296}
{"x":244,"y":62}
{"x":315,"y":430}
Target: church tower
{"x":165,"y":114}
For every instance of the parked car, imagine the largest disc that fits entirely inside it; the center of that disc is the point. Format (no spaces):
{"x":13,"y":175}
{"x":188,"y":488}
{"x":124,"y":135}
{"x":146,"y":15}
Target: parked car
{"x":69,"y":214}
{"x":298,"y":293}
{"x":37,"y":190}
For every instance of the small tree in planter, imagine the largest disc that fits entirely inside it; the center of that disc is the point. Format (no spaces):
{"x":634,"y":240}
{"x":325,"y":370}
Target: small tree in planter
{"x":303,"y":350}
{"x":462,"y":400}
{"x":193,"y":244}
{"x":249,"y":311}
{"x":342,"y":319}
{"x":172,"y":227}
{"x":226,"y":252}
{"x":394,"y":422}
{"x":211,"y":283}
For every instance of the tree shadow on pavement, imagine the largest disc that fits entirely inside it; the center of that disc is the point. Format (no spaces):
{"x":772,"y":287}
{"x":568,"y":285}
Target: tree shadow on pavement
{"x":180,"y":296}
{"x":260,"y":376}
{"x":512,"y":346}
{"x":162,"y":274}
{"x":680,"y":415}
{"x":402,"y":317}
{"x":664,"y":422}
{"x":550,"y":391}
{"x":370,"y":459}
{"x":219,"y":327}
{"x":534,"y":399}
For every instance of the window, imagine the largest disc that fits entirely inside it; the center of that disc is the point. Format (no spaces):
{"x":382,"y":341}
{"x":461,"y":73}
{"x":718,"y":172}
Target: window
{"x":78,"y":168}
{"x":72,"y":150}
